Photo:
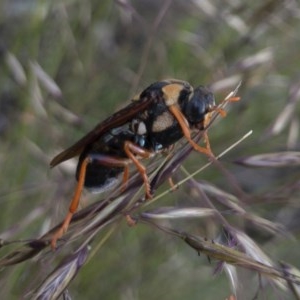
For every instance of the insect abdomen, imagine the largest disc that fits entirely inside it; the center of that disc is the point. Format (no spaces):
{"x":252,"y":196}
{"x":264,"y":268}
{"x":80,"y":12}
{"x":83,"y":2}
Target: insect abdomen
{"x":99,"y":178}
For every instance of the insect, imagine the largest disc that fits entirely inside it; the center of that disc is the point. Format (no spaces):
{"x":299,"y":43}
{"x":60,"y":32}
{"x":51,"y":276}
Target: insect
{"x":162,"y":114}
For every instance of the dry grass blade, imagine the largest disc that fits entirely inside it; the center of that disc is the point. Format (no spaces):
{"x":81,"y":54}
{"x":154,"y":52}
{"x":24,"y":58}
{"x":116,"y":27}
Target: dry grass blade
{"x":171,"y":166}
{"x":231,"y":200}
{"x":177,"y":213}
{"x":56,"y":283}
{"x":227,"y":254}
{"x":286,"y":268}
{"x":16,"y":69}
{"x":262,"y":57}
{"x":226,"y":83}
{"x":271,"y":160}
{"x":282,"y":120}
{"x":267,"y":225}
{"x":254,"y":251}
{"x":28,"y":251}
{"x":65,"y":114}
{"x":94,"y":217}
{"x":231,"y":272}
{"x":237,"y":208}
{"x":85,"y":223}
{"x":287,"y":115}
{"x":36,"y":97}
{"x":46,"y":80}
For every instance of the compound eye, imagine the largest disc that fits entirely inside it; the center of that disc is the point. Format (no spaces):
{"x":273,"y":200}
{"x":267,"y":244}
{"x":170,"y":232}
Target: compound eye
{"x":211,"y":105}
{"x":200,"y":103}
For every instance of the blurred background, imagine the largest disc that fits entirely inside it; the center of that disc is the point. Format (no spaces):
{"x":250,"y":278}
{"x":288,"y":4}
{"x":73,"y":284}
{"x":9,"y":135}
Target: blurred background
{"x":66,"y":65}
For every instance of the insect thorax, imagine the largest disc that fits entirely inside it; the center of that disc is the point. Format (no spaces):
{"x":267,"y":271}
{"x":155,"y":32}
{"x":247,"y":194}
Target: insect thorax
{"x":156,"y":128}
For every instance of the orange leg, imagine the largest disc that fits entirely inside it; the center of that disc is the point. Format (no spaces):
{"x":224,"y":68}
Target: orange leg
{"x":74,"y":204}
{"x":132,"y":150}
{"x":131,"y":222}
{"x":234,"y":99}
{"x":110,"y":161}
{"x":186,"y":131}
{"x":102,"y":160}
{"x":221,"y":111}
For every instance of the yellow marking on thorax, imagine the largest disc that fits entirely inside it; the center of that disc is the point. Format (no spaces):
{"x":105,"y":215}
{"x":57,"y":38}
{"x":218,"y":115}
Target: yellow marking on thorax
{"x":171,"y":93}
{"x":163,"y":122}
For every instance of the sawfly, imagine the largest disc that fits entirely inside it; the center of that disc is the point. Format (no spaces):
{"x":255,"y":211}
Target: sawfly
{"x":161,"y":115}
